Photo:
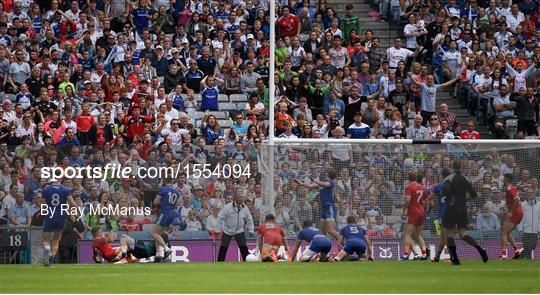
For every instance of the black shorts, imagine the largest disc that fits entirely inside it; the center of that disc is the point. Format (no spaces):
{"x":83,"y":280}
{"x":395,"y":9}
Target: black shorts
{"x":143,"y":250}
{"x":454,"y":217}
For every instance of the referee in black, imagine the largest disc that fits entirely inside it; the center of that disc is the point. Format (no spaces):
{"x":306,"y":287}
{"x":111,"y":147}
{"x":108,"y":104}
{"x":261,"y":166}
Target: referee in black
{"x":235,"y":218}
{"x":455,"y":190}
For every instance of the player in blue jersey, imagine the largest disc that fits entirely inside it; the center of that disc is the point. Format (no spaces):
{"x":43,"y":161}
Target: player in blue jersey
{"x":58,"y":199}
{"x":354,"y":240}
{"x":328,"y":203}
{"x":167,"y":198}
{"x":437,"y":194}
{"x":319,"y":244}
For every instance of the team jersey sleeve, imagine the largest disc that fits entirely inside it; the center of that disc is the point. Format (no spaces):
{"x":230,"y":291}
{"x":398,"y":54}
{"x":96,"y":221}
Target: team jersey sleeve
{"x":408,"y":193}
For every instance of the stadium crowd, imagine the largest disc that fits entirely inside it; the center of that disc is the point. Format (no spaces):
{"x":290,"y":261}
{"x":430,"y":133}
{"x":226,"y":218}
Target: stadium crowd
{"x":484,"y":53}
{"x":171,"y":83}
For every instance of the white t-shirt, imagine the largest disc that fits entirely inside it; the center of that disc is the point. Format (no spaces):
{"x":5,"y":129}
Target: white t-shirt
{"x":338,"y":57}
{"x":452,"y":58}
{"x":396,"y":55}
{"x":411,"y":40}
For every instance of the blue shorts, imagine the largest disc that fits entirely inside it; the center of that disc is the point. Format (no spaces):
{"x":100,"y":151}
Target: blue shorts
{"x":320,"y":244}
{"x":329,"y":211}
{"x":54,"y":224}
{"x":166,"y":219}
{"x":355,"y":245}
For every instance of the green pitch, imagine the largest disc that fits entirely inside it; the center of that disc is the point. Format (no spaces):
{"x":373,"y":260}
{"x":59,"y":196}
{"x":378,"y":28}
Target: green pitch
{"x":344,"y":277}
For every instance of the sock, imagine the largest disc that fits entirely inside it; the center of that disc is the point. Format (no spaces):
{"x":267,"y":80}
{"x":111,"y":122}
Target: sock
{"x":424,"y":252}
{"x":503,"y":253}
{"x":46,"y":250}
{"x":159,"y":251}
{"x":438,"y":255}
{"x":515,"y":248}
{"x":166,"y":248}
{"x":405,"y":254}
{"x":452,"y":248}
{"x":471,"y":241}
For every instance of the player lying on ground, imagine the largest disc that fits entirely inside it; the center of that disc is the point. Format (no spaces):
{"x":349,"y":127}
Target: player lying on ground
{"x":415,"y":197}
{"x":55,"y":195}
{"x":319,"y":244}
{"x":130,"y":249}
{"x":271,"y":238}
{"x":512,"y":217}
{"x":166,"y":198}
{"x":355,"y":241}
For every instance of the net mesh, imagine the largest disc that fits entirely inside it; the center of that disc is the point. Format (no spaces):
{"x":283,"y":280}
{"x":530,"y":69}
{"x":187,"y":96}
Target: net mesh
{"x":370,"y":184}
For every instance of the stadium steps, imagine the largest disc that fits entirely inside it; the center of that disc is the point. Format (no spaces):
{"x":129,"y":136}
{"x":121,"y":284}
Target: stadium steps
{"x":382,"y":30}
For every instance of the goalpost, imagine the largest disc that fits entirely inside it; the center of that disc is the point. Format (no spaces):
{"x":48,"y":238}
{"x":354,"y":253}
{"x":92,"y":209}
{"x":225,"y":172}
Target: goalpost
{"x":372,"y":175}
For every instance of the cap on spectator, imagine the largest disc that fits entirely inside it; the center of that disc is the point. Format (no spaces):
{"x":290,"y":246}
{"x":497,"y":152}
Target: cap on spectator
{"x":174,"y":50}
{"x":198,"y":186}
{"x":185,"y":41}
{"x":495,"y":190}
{"x":159,"y":47}
{"x":250,"y":36}
{"x":87,"y":82}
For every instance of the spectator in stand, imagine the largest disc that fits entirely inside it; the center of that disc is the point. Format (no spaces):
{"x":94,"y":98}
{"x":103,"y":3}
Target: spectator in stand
{"x":470,"y":133}
{"x":528,"y":112}
{"x":487,"y":221}
{"x":20,"y":213}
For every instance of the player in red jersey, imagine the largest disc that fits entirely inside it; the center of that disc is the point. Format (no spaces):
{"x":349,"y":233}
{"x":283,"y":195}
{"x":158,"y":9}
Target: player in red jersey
{"x":102,"y":247}
{"x":271,"y":238}
{"x":415,"y":215}
{"x":512,"y":217}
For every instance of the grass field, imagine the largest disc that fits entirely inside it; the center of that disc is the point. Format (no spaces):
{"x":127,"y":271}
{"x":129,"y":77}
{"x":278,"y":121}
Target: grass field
{"x":345,"y":277}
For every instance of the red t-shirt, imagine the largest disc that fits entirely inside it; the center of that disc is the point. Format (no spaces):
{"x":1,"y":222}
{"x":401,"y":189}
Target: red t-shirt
{"x":417,"y":195}
{"x":135,"y":126}
{"x":272,"y":233}
{"x":465,"y":134}
{"x":84,"y":122}
{"x":107,"y":252}
{"x":288,"y":27}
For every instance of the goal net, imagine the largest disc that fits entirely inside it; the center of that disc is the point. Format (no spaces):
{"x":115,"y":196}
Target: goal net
{"x":372,"y":176}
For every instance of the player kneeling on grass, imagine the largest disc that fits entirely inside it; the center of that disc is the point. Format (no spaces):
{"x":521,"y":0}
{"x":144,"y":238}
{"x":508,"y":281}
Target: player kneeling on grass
{"x":319,"y":244}
{"x":355,"y":239}
{"x":271,"y":238}
{"x":415,"y":196}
